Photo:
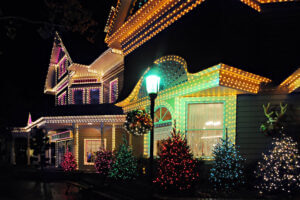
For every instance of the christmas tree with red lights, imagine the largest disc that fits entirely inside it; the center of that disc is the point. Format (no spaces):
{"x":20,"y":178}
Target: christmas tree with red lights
{"x":104,"y":161}
{"x":177,"y":168}
{"x":69,"y":164}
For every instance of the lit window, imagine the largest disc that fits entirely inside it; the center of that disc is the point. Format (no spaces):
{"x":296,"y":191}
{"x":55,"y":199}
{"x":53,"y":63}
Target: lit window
{"x":204,"y":127}
{"x":162,"y":127}
{"x":113,"y":91}
{"x":91,"y":146}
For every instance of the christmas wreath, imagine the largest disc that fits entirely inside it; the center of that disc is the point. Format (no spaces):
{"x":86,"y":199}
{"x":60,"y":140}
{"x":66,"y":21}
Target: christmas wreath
{"x":138,"y":122}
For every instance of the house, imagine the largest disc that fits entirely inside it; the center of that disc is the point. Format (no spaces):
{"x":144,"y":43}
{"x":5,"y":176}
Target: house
{"x":84,"y":118}
{"x":214,"y":59}
{"x":220,"y":61}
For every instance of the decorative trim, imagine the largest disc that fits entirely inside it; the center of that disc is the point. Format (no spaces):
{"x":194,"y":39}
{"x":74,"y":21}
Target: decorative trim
{"x":61,"y":136}
{"x":62,"y":85}
{"x":218,"y":75}
{"x":62,"y":97}
{"x":85,"y":81}
{"x":292,"y":82}
{"x":153,"y":17}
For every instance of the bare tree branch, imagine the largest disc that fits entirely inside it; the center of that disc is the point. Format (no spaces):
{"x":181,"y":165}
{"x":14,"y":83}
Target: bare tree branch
{"x":26,"y":20}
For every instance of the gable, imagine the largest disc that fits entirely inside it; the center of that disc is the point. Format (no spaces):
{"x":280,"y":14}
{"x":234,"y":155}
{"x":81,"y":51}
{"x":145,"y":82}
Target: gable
{"x":59,"y":56}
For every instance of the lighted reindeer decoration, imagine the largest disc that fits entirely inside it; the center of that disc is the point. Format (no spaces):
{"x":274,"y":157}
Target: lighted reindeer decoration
{"x":273,"y":125}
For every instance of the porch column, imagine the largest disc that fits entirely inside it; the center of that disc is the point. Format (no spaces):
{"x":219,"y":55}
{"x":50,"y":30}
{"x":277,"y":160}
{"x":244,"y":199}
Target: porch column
{"x":76,"y":143}
{"x":13,"y":154}
{"x":56,"y":154}
{"x":28,"y":148}
{"x":113,"y":137}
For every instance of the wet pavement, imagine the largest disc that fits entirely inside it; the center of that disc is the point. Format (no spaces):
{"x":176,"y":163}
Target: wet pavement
{"x":24,"y":189}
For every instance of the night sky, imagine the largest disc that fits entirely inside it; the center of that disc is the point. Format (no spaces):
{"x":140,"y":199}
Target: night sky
{"x":25,"y":59}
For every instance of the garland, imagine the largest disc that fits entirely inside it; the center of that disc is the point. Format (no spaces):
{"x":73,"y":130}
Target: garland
{"x":138,"y":122}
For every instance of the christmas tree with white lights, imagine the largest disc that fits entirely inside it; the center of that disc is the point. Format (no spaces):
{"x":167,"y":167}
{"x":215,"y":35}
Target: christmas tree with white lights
{"x":279,"y":170}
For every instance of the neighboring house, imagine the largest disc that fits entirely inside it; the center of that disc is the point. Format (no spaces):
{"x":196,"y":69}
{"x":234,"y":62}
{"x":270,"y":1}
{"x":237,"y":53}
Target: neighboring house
{"x":208,"y":85}
{"x":84,"y":118}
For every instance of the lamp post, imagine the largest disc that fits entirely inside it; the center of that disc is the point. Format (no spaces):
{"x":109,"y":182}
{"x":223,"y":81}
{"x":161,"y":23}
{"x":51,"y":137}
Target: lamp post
{"x":152,"y":85}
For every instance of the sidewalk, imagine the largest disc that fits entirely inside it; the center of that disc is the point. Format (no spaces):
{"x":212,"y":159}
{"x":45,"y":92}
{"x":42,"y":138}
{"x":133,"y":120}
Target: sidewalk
{"x":23,"y":183}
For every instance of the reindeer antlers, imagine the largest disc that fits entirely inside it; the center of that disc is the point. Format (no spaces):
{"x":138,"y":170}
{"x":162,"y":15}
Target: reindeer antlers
{"x":268,"y":115}
{"x":282,"y":110}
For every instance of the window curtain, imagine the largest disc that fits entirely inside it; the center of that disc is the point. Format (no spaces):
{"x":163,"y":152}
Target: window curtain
{"x":204,"y":127}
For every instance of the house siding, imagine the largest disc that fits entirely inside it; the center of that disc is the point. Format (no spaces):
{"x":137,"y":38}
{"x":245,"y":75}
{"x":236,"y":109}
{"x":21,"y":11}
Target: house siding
{"x":108,"y":78}
{"x":250,"y":115}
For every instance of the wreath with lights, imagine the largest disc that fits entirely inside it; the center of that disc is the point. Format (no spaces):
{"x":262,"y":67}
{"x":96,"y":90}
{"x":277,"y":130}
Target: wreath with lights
{"x":138,"y":122}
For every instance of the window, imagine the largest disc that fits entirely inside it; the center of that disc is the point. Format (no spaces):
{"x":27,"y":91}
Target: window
{"x":162,"y":127}
{"x":62,"y":68}
{"x":91,"y":146}
{"x":61,"y":54}
{"x":62,"y":148}
{"x":204,"y":127}
{"x":78,"y":96}
{"x":113,"y":91}
{"x":94,"y":96}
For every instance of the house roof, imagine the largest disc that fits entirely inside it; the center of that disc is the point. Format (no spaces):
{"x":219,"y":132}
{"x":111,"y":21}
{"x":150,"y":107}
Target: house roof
{"x":78,"y":110}
{"x":184,"y":84}
{"x":98,"y":65}
{"x":132,"y":23}
{"x":262,"y":43}
{"x":292,"y":83}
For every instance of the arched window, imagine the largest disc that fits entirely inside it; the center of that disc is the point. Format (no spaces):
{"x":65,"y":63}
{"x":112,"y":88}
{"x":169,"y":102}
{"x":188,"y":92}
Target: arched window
{"x":162,"y":127}
{"x":162,"y":115}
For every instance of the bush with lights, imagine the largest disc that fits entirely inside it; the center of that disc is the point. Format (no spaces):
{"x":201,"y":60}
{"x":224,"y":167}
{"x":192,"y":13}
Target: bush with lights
{"x":103,"y":162}
{"x":177,"y":168}
{"x":69,"y":164}
{"x":227,"y":172}
{"x":279,"y":169}
{"x":138,"y":122}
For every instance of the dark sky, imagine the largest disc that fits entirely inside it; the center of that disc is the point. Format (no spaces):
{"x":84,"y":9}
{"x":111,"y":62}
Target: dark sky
{"x":25,"y":59}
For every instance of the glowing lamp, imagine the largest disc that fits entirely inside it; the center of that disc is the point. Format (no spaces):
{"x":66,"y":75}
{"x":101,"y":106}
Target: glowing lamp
{"x":152,"y":84}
